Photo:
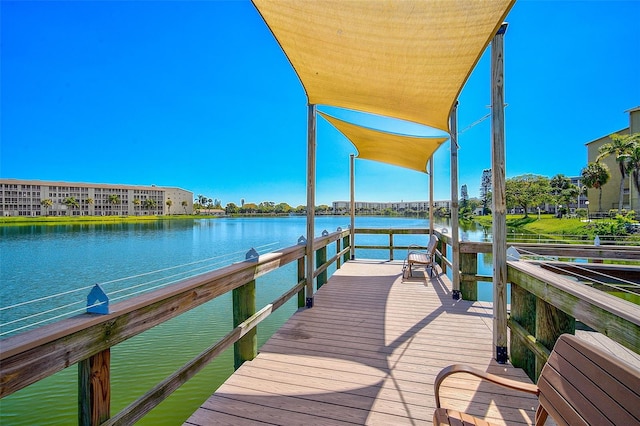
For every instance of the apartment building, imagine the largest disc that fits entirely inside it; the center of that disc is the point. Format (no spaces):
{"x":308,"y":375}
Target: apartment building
{"x":611,"y":190}
{"x":47,"y":198}
{"x":364,"y":206}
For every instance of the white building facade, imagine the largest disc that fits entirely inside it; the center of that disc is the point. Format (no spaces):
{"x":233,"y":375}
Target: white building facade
{"x":363,"y":206}
{"x":49,"y":198}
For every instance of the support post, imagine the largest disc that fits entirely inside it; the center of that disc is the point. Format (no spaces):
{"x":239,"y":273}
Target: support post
{"x":431,"y":196}
{"x":468,"y":280}
{"x":244,"y":305}
{"x":390,"y":245}
{"x":301,"y":275}
{"x":94,"y":389}
{"x":455,"y":239}
{"x":523,"y":311}
{"x":352,"y":205}
{"x":345,"y":243}
{"x":321,"y":259}
{"x":498,"y":202}
{"x":311,"y":198}
{"x":551,"y":322}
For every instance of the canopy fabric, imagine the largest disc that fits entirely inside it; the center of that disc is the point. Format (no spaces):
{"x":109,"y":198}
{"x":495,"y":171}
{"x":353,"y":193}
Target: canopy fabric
{"x":404,"y":59}
{"x":411,"y":152}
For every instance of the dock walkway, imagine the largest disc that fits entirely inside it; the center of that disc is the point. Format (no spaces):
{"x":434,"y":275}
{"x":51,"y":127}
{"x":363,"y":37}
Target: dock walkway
{"x":368,"y":353}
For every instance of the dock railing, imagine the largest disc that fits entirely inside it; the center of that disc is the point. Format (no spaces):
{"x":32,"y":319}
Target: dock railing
{"x":87,"y":339}
{"x":543,"y":305}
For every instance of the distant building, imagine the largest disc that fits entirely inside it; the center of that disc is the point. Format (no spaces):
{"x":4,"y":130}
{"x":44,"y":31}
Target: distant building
{"x":365,"y":206}
{"x":611,"y":190}
{"x":25,"y":198}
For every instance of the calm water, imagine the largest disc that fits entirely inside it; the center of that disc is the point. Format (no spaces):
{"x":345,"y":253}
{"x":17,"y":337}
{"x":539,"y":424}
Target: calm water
{"x":39,"y":261}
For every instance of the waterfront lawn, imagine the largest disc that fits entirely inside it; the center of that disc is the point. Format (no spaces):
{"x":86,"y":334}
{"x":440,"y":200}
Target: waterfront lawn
{"x":547,"y":224}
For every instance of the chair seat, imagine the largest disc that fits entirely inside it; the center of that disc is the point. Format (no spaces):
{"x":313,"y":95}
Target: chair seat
{"x":445,"y":417}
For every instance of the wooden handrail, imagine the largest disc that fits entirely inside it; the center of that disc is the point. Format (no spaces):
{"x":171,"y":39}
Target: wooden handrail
{"x":36,"y":354}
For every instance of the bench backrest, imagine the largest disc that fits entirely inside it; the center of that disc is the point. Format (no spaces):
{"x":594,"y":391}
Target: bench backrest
{"x":433,"y":242}
{"x":583,"y":385}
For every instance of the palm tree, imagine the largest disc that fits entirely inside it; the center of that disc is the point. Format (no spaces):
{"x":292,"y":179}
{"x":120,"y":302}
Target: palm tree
{"x":620,"y":147}
{"x":136,"y":203}
{"x":595,"y":175}
{"x":71,"y":202}
{"x":634,"y":161}
{"x":89,"y":201}
{"x":149,"y":204}
{"x":114,"y":199}
{"x":169,"y":203}
{"x":184,"y":206}
{"x":46,"y":203}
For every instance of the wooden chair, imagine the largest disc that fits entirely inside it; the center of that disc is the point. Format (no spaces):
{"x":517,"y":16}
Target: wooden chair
{"x":579,"y":385}
{"x":426,"y":257}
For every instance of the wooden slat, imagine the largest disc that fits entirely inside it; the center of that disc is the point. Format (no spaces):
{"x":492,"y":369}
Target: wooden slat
{"x":368,"y":353}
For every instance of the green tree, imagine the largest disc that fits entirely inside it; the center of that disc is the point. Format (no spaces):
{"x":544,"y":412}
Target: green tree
{"x":282,"y":208}
{"x":595,"y":175}
{"x":46,"y":203}
{"x":169,"y":203}
{"x":620,"y":147}
{"x":71,"y":202}
{"x":184,"y":204}
{"x":526,"y":191}
{"x":485,"y":189}
{"x":634,"y":161}
{"x":90,"y":201}
{"x":149,"y":204}
{"x":562,"y":190}
{"x":114,"y":199}
{"x":136,"y":203}
{"x":231,"y":208}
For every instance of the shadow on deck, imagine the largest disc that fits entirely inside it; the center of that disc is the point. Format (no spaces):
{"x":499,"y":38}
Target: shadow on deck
{"x":368,"y":353}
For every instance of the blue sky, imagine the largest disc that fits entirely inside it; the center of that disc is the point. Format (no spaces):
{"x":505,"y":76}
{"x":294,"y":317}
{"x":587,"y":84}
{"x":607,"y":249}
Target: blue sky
{"x":198,"y":95}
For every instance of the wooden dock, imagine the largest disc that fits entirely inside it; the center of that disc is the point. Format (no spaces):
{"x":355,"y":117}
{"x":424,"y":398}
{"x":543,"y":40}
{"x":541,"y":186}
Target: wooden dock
{"x":368,"y":353}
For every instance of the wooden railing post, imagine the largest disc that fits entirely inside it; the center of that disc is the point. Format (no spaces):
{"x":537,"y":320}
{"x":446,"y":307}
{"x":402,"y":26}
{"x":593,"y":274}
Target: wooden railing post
{"x":244,"y":305}
{"x":346,"y":241}
{"x":301,"y":275}
{"x":321,"y":259}
{"x":338,"y":248}
{"x":468,"y":280}
{"x":523,"y":312}
{"x":94,"y":389}
{"x":443,"y":251}
{"x":551,"y":322}
{"x":390,"y":245}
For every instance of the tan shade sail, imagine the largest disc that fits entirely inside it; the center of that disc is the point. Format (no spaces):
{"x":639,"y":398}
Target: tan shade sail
{"x":405,"y":59}
{"x":405,"y":151}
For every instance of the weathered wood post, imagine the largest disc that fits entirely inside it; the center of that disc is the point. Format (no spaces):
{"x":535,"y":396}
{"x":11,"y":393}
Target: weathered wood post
{"x":523,"y":312}
{"x":338,"y":248}
{"x":551,"y":322}
{"x":311,"y":198}
{"x":345,"y":243}
{"x":430,"y":196}
{"x":352,"y":208}
{"x":390,"y":244}
{"x":94,"y":389}
{"x":321,"y":259}
{"x":244,"y":305}
{"x":455,"y":239}
{"x":468,"y":280}
{"x":498,"y":203}
{"x":301,"y":275}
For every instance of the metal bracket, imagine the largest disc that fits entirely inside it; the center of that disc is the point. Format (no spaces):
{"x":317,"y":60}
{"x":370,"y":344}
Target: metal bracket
{"x":252,"y":255}
{"x":302,"y":240}
{"x":97,"y":301}
{"x":325,"y":233}
{"x":309,"y":303}
{"x":501,"y":354}
{"x":513,"y":253}
{"x":339,"y":229}
{"x":456,"y":294}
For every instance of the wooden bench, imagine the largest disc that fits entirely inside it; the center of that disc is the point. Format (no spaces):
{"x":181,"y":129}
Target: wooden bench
{"x":579,"y":385}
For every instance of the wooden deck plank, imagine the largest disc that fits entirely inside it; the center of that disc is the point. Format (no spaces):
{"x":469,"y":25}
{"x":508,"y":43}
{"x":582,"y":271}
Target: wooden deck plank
{"x":368,"y":353}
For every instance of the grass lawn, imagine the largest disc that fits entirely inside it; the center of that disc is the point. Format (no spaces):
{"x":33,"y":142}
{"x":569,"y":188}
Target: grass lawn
{"x":547,"y":224}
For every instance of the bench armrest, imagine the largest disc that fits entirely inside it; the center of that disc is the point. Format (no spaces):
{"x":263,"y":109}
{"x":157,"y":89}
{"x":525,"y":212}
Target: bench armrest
{"x":459,"y":368}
